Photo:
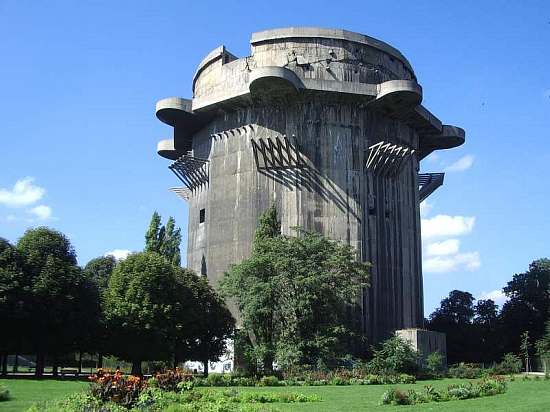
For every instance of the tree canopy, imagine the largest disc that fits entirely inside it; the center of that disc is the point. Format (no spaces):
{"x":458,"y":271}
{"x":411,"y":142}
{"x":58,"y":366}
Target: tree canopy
{"x":528,"y":305}
{"x":140,"y":306}
{"x":156,"y":310}
{"x":54,"y":293}
{"x":164,"y":239}
{"x":480,"y":333}
{"x":100,"y":269}
{"x":295,"y":296}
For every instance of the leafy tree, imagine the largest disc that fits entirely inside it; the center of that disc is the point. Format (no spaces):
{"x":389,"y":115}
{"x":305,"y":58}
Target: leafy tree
{"x":164,"y":239}
{"x":435,"y":364}
{"x":543,"y":347}
{"x":14,"y":302}
{"x":142,"y":308}
{"x":214,"y":325}
{"x":294,"y":296}
{"x":528,"y":305}
{"x":525,"y":348}
{"x":62,"y":304}
{"x":395,"y":355}
{"x":268,"y":228}
{"x":100,"y":269}
{"x":458,"y":308}
{"x":454,"y":318}
{"x":98,"y":272}
{"x":486,"y":312}
{"x":153,"y":234}
{"x":170,"y":243}
{"x":253,"y":285}
{"x":485,"y":330}
{"x":510,"y":365}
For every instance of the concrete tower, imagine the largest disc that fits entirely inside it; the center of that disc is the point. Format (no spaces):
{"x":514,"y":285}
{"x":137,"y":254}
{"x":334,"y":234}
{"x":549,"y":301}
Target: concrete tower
{"x":329,"y":126}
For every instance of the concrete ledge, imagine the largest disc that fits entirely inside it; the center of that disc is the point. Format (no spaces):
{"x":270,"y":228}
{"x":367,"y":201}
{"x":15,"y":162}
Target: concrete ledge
{"x":323,"y":33}
{"x":397,"y":95}
{"x":166,"y":149}
{"x":273,"y":79}
{"x":450,"y":136}
{"x":174,"y":110}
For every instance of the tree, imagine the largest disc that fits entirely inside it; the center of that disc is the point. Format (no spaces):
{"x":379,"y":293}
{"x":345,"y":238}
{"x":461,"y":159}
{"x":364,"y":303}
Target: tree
{"x":486,"y":312}
{"x":170,"y":243}
{"x":141,"y":308}
{"x":543,"y":347}
{"x":252,"y":285}
{"x":395,"y":355}
{"x":295,"y":295}
{"x":165,"y":239}
{"x":14,"y":302}
{"x":61,"y":302}
{"x":528,"y":306}
{"x":485,"y":330}
{"x":214,"y":325}
{"x":98,"y":272}
{"x":525,"y":347}
{"x":100,"y":269}
{"x":454,"y":318}
{"x":152,"y":236}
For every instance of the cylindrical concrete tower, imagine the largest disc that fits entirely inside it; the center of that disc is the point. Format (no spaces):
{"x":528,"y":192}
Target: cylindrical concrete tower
{"x":327,"y":124}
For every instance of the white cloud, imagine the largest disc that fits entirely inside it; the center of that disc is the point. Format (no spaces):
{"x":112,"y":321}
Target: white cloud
{"x":42,"y":212}
{"x":119,"y":254}
{"x":464,"y":163}
{"x":11,"y":218}
{"x":445,"y":225}
{"x":497,"y":296}
{"x":461,"y":261}
{"x":23,"y":193}
{"x":444,"y":248}
{"x":425,"y":208}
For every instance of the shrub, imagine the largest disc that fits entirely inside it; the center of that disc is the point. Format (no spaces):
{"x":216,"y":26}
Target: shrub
{"x":432,"y":395}
{"x":393,"y":357}
{"x":395,"y":397}
{"x":4,"y":393}
{"x":465,"y":371}
{"x":115,"y":387}
{"x":485,"y":387}
{"x":511,"y":364}
{"x":435,"y":364}
{"x":170,"y":379}
{"x":268,"y":381}
{"x":339,"y":381}
{"x":459,"y":391}
{"x":243,"y":381}
{"x":492,"y":386}
{"x":215,"y":379}
{"x":77,"y":402}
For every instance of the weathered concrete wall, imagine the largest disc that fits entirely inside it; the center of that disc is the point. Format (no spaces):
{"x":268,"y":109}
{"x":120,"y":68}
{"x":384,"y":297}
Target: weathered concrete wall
{"x":333,"y":94}
{"x":329,"y":196}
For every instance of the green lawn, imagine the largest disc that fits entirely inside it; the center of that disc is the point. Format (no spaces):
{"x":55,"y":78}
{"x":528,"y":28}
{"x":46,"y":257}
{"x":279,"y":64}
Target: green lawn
{"x":532,"y":396}
{"x":25,"y":392}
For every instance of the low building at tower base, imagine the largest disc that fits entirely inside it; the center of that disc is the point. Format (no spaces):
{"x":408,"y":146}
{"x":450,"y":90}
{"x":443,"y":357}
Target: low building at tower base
{"x":425,"y":342}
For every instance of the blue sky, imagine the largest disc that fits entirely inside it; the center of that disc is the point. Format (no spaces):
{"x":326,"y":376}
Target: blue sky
{"x":79,"y":81}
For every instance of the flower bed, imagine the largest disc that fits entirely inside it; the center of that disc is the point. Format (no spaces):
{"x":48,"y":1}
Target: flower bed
{"x":485,"y":387}
{"x":338,"y":377}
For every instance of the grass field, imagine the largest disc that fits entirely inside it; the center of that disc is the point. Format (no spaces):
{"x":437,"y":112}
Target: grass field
{"x":531,"y":396}
{"x":25,"y":392}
